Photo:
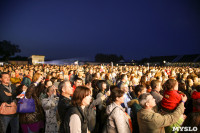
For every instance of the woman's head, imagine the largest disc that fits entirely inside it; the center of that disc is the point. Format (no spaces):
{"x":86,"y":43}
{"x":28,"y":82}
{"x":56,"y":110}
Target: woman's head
{"x":143,"y":80}
{"x":81,"y":96}
{"x":50,"y":90}
{"x":36,"y":77}
{"x":117,"y":95}
{"x":171,"y":84}
{"x":102,"y":85}
{"x":71,"y":72}
{"x":20,"y":89}
{"x":140,"y":89}
{"x":108,"y":76}
{"x":189,"y":82}
{"x":47,"y":83}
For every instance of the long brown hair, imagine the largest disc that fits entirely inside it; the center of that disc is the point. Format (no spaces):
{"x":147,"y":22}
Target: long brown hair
{"x":36,"y":77}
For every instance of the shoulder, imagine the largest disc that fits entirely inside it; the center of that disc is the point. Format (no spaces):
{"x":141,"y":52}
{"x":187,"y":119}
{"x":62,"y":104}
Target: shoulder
{"x":73,"y":110}
{"x":74,"y":117}
{"x":153,"y":92}
{"x":99,"y":94}
{"x":2,"y":89}
{"x":146,"y":114}
{"x":13,"y":86}
{"x":133,"y":102}
{"x":44,"y":100}
{"x":1,"y":86}
{"x":196,"y":95}
{"x":117,"y":111}
{"x":63,"y":99}
{"x":156,"y":94}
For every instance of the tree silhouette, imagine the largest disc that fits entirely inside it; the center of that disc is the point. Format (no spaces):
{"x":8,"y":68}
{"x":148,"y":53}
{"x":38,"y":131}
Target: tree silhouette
{"x":8,"y":49}
{"x":108,"y":58}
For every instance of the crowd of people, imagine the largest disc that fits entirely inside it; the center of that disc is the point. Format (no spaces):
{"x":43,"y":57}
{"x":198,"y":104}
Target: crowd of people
{"x":99,"y":99}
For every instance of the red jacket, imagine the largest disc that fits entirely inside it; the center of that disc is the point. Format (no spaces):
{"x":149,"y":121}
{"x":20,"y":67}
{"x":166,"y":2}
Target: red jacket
{"x":171,"y":99}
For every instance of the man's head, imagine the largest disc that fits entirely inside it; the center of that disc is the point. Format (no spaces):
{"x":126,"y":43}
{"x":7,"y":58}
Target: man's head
{"x":5,"y":78}
{"x":124,"y":87}
{"x":53,"y":74}
{"x":61,"y":76}
{"x":156,"y":85}
{"x":135,"y":81}
{"x":124,"y":77}
{"x":195,"y":79}
{"x":91,"y":71}
{"x":78,"y":82}
{"x":140,"y":89}
{"x":65,"y":88}
{"x":146,"y":101}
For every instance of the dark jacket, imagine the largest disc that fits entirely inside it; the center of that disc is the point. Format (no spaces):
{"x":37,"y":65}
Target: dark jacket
{"x":4,"y":97}
{"x":88,"y":78}
{"x":63,"y":105}
{"x":82,"y":115}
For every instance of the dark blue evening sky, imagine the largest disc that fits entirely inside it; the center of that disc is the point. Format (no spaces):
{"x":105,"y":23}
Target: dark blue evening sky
{"x":131,"y":28}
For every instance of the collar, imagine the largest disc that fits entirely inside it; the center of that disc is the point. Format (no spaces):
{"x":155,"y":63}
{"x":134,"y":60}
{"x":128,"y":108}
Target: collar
{"x":63,"y":97}
{"x":155,"y":91}
{"x":118,"y":106}
{"x":147,"y":110}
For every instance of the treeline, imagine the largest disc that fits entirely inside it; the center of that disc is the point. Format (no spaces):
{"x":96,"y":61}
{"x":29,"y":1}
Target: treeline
{"x":108,"y":58}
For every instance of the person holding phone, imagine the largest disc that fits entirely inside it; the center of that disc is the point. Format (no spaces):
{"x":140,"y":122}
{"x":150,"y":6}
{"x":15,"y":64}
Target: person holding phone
{"x":49,"y":105}
{"x":101,"y":108}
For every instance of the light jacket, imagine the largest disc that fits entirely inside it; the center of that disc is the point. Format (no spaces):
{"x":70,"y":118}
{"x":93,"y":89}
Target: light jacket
{"x":151,"y":122}
{"x":117,"y":121}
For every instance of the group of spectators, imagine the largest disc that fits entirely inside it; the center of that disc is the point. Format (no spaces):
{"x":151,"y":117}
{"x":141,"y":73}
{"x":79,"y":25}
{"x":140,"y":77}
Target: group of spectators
{"x":96,"y":99}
